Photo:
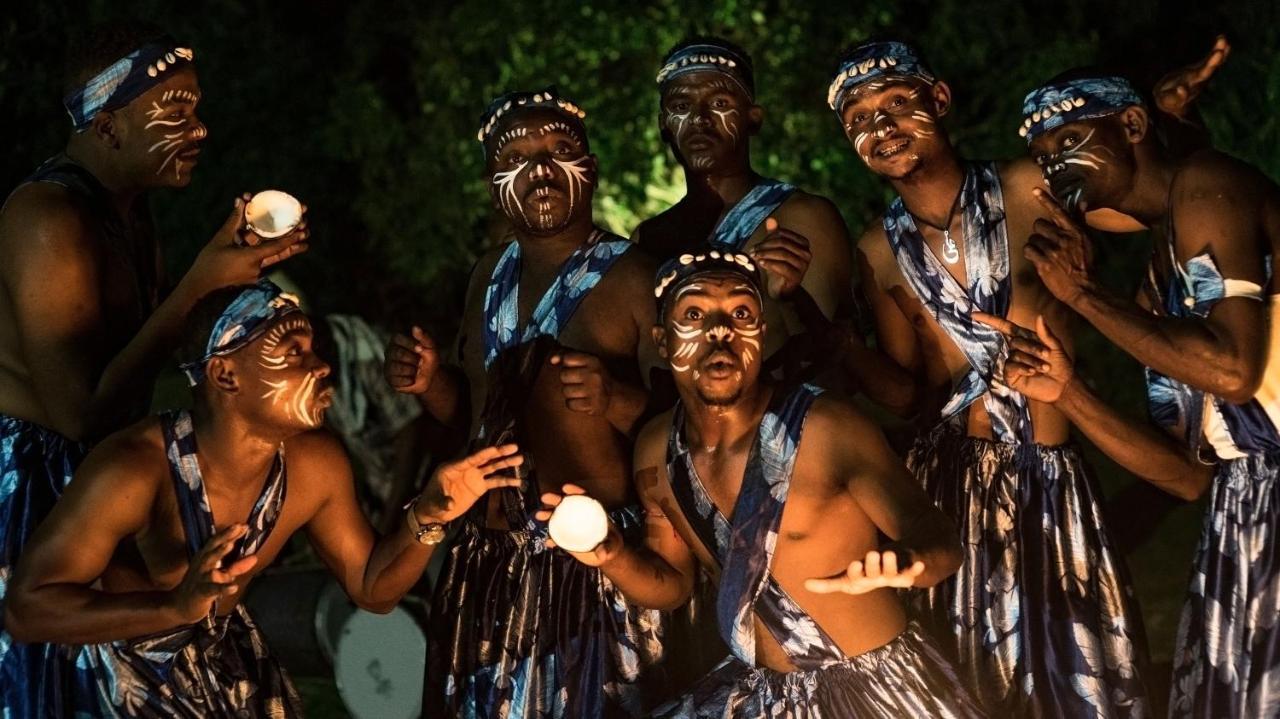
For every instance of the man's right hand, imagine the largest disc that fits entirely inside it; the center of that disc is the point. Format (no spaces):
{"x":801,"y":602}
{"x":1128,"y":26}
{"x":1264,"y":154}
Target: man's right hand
{"x":411,"y":362}
{"x":206,"y":581}
{"x":236,"y":256}
{"x":603,"y":552}
{"x":1037,"y":366}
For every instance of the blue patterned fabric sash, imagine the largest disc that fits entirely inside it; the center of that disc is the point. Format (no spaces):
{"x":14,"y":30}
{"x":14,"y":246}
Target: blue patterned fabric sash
{"x":193,"y":501}
{"x":1191,"y":292}
{"x":986,"y":258}
{"x":744,"y":546}
{"x":741,"y":221}
{"x":576,"y":278}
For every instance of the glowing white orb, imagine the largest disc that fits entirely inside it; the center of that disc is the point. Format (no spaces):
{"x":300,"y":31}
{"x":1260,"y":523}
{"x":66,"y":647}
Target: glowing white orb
{"x":578,"y":524}
{"x":272,"y":213}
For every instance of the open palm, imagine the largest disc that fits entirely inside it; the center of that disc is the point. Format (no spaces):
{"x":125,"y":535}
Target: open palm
{"x":456,"y":486}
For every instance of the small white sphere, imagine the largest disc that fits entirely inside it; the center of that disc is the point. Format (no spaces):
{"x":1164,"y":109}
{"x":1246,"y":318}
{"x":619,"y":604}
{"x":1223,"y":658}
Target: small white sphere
{"x":578,"y":524}
{"x":272,"y":213}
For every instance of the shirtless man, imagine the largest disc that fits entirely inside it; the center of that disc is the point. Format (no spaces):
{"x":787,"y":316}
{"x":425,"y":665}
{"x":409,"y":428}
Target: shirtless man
{"x":782,"y":495}
{"x":1202,"y":325}
{"x":146,"y":556}
{"x":78,"y":362}
{"x":1041,"y":616}
{"x":553,"y":324}
{"x":708,"y":116}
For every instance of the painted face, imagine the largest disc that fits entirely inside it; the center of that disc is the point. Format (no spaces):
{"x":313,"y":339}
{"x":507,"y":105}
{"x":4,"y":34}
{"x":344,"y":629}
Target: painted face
{"x":541,"y":174}
{"x":712,"y":336}
{"x":166,"y":133}
{"x":1087,"y":161}
{"x":283,"y":381}
{"x":706,"y":118}
{"x":892,"y":125}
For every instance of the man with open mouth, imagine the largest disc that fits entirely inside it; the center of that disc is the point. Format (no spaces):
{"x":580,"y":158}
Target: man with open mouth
{"x":138,"y":572}
{"x":85,"y":325}
{"x":782,"y":493}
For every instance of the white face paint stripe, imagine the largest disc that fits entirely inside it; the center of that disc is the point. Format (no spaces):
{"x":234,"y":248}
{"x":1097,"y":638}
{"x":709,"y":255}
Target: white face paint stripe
{"x":506,"y":184}
{"x":732,"y":129}
{"x":577,"y":174}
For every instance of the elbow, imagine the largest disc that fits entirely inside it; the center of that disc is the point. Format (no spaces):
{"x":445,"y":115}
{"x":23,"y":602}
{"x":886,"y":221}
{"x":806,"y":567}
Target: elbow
{"x":1239,"y":387}
{"x":1193,"y":486}
{"x":375,"y":606}
{"x":17,"y":617}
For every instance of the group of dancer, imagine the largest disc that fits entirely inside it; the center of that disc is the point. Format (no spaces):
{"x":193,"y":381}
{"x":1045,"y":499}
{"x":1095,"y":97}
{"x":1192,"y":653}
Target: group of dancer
{"x":678,"y":378}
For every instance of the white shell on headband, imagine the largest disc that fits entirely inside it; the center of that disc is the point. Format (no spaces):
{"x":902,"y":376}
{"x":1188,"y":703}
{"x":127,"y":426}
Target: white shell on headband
{"x":272,"y":213}
{"x":578,"y":524}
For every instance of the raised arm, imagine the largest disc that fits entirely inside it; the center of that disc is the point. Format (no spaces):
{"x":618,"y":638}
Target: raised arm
{"x":377,"y":571}
{"x":661,"y":573}
{"x":51,"y":597}
{"x":1219,"y":353}
{"x":884,"y":374}
{"x":53,"y":272}
{"x":1041,"y":369}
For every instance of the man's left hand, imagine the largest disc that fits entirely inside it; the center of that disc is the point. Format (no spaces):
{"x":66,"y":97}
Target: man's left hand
{"x":1060,"y":251}
{"x":585,"y":383}
{"x":862,"y":576}
{"x":784,"y":256}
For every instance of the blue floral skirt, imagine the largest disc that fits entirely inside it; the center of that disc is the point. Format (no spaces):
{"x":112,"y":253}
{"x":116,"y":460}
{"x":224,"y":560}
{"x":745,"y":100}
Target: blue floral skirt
{"x":1041,"y":618}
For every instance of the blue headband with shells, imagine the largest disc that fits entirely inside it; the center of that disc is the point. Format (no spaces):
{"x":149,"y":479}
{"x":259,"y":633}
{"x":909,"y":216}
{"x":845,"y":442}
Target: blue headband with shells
{"x":875,"y":60}
{"x":1056,"y":104}
{"x":125,"y":79}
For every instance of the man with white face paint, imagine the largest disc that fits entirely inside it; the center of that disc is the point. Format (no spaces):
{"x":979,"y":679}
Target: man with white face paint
{"x":708,"y":116}
{"x":144,"y":559}
{"x":782,"y":495}
{"x":1041,"y":616}
{"x":78,"y":361}
{"x":553,"y":325}
{"x":1202,"y":324}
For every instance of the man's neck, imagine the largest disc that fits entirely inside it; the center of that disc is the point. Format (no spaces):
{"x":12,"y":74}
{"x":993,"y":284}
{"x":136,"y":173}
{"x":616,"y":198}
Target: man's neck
{"x":1148,"y":198}
{"x":719,"y":189}
{"x":719,"y":427}
{"x":82,"y":151}
{"x":231,"y":448}
{"x":930,"y":192}
{"x":553,"y":249}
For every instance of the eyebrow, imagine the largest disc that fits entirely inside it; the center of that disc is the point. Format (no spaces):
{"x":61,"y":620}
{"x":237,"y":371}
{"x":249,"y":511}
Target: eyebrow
{"x":293,"y":333}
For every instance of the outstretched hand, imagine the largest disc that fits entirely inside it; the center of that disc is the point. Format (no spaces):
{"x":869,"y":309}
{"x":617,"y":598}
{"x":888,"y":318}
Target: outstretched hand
{"x":1060,"y":250}
{"x":877,"y":570}
{"x":1037,"y":366}
{"x":1177,"y":91}
{"x":603,"y":552}
{"x":206,"y":580}
{"x":456,"y":486}
{"x":784,"y":256}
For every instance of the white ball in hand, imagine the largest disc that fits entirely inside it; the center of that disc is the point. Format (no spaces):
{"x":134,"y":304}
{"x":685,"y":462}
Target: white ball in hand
{"x":272,"y":213}
{"x":578,"y":524}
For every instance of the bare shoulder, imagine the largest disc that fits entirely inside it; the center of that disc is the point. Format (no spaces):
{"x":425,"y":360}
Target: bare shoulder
{"x":835,"y":416}
{"x":318,"y":451}
{"x":43,"y":218}
{"x":819,"y":216}
{"x":651,"y":442}
{"x":1019,"y":176}
{"x":874,"y":246}
{"x":1209,"y":174}
{"x":634,"y":270}
{"x":134,"y":456}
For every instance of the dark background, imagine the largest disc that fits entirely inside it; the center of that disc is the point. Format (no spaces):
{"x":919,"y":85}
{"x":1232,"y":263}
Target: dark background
{"x":368,"y":112}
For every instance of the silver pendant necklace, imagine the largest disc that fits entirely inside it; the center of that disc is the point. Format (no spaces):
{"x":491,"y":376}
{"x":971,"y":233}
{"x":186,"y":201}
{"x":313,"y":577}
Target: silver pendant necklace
{"x":950,"y":252}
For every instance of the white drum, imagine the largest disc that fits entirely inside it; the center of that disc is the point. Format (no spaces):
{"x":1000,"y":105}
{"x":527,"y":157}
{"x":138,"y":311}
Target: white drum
{"x":379,"y":660}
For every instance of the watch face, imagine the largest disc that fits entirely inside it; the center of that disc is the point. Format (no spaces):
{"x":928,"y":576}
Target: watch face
{"x":431,"y":534}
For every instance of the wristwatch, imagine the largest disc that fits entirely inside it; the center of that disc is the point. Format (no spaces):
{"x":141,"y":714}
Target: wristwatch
{"x":431,"y":533}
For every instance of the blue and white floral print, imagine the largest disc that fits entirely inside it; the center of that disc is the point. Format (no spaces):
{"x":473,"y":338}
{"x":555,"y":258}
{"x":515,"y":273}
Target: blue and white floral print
{"x":741,"y":221}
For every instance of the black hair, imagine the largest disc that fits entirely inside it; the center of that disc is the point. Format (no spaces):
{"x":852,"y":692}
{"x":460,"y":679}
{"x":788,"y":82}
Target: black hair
{"x":100,"y":46}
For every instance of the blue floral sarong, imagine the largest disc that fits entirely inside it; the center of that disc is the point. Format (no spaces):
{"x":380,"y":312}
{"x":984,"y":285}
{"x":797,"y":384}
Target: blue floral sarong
{"x":907,"y":677}
{"x":1040,"y":618}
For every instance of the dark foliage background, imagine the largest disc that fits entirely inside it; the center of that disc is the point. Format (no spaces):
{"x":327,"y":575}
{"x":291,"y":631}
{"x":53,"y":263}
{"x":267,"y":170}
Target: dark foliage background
{"x":368,"y":111}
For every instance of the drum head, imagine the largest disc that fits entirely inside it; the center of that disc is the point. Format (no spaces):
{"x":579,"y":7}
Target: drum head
{"x":379,"y":664}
